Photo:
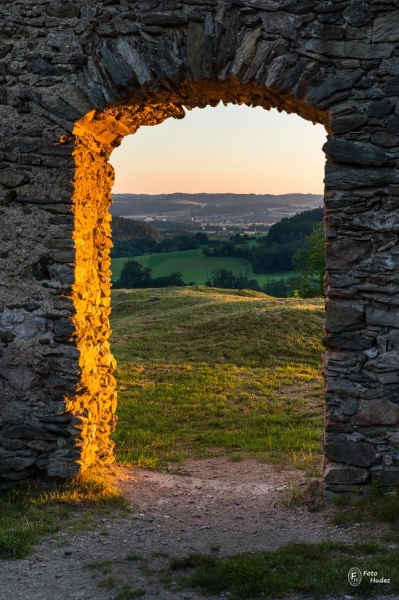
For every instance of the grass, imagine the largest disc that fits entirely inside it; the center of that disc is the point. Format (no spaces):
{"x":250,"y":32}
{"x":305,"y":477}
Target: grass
{"x":194,"y":266}
{"x":204,"y":372}
{"x":129,"y":594}
{"x":316,"y":569}
{"x":381,"y":505}
{"x":108,"y":582}
{"x":117,"y":571}
{"x":29,"y":512}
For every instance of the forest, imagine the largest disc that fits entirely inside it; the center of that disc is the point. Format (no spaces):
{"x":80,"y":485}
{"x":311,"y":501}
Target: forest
{"x":271,"y":253}
{"x":295,"y":244}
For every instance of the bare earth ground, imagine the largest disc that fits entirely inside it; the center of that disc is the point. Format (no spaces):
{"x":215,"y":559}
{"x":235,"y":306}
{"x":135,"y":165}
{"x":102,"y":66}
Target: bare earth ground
{"x":207,"y":504}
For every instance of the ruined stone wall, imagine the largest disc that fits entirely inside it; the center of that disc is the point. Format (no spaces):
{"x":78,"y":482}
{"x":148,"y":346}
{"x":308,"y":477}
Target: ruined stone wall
{"x":75,"y":77}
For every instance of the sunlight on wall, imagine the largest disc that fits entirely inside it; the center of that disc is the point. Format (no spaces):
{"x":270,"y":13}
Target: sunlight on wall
{"x":224,"y":149}
{"x":94,"y":403}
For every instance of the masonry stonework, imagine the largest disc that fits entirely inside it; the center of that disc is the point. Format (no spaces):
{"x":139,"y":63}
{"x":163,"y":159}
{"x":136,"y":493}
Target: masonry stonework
{"x":75,"y":78}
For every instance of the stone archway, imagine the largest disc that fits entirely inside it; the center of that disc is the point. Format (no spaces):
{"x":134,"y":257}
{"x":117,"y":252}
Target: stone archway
{"x":77,"y":79}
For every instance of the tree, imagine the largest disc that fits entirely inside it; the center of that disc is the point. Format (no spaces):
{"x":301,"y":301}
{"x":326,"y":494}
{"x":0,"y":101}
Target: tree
{"x":311,"y":264}
{"x":280,"y":288}
{"x":202,"y":237}
{"x":134,"y":275}
{"x":243,"y":282}
{"x":222,"y":278}
{"x":174,"y":279}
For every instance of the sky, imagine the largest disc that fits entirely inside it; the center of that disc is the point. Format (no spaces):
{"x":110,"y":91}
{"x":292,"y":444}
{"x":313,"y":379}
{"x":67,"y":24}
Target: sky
{"x":231,"y":148}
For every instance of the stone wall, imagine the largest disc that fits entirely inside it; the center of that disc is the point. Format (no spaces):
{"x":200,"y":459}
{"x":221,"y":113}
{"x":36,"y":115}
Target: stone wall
{"x":74,"y":79}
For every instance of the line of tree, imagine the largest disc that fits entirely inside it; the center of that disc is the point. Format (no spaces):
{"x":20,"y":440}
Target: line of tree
{"x":284,"y":248}
{"x":308,"y":261}
{"x":150,"y":245}
{"x":134,"y":275}
{"x":225,"y":279}
{"x":271,"y":254}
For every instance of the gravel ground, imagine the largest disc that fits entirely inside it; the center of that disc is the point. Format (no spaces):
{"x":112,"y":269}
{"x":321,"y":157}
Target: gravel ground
{"x":207,"y":504}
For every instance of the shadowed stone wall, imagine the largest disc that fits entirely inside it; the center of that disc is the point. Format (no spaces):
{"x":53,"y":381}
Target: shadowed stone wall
{"x":75,"y":77}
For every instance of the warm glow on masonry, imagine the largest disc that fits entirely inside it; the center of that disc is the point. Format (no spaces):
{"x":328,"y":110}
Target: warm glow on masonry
{"x":95,"y":401}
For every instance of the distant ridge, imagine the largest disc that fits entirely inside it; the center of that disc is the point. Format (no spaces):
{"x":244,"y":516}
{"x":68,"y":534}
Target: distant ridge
{"x":216,"y":195}
{"x":205,"y":205}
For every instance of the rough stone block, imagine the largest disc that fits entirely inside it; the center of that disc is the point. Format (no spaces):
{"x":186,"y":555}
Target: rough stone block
{"x":386,"y":28}
{"x":388,"y":361}
{"x":349,"y":48}
{"x":385,"y":317}
{"x":389,"y":476}
{"x":358,"y":14}
{"x":364,"y":155}
{"x":347,"y":178}
{"x":377,"y":412}
{"x":344,"y":317}
{"x":280,"y":22}
{"x":339,"y":474}
{"x":360,"y":454}
{"x":333,"y":84}
{"x":12,"y":179}
{"x":347,"y":123}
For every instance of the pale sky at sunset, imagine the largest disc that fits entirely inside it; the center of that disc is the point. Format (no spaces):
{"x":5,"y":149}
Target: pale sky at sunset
{"x":224,"y":149}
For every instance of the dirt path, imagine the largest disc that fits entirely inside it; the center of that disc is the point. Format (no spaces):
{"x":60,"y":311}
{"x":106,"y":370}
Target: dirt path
{"x":210,"y":505}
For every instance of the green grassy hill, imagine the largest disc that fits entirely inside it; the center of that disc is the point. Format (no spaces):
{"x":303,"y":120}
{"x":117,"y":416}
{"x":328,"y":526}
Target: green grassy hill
{"x":205,"y":372}
{"x":194,"y":266}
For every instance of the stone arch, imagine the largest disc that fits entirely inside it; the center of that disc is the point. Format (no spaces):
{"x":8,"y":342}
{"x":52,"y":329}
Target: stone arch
{"x":78,"y":79}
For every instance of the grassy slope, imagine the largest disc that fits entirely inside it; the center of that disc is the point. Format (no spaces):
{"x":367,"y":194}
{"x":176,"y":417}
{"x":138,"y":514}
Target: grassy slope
{"x":204,"y":371}
{"x":194,"y":266}
{"x":207,"y":372}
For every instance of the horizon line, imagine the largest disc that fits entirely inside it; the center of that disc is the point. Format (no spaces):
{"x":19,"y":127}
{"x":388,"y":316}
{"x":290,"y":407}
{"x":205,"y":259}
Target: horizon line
{"x":214,"y":193}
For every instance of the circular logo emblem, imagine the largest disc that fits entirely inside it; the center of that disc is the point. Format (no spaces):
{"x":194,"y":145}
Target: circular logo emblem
{"x":354,"y":576}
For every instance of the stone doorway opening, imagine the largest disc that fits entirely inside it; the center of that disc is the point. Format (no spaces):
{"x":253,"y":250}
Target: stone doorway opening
{"x":140,"y":359}
{"x":96,"y":135}
{"x":91,"y":75}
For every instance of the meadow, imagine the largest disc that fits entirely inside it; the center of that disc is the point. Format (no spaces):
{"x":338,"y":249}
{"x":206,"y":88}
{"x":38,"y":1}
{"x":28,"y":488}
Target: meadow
{"x":205,"y":372}
{"x":208,"y":372}
{"x":201,"y":372}
{"x":195,"y":267}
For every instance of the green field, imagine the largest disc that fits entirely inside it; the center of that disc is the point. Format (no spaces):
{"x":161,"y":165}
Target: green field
{"x":208,"y":372}
{"x":194,"y":266}
{"x":205,"y":372}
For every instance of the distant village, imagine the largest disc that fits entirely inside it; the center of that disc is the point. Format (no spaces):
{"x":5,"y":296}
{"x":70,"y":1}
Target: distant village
{"x":214,"y":213}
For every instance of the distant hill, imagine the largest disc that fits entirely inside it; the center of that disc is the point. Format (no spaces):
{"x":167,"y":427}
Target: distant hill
{"x":127,"y":229}
{"x":266,"y":208}
{"x":294,"y":228}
